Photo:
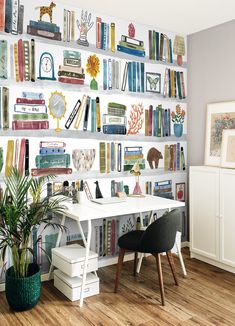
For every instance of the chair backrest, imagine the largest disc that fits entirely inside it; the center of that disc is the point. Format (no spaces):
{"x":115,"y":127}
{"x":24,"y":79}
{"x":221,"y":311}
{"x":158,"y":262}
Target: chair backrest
{"x":160,"y":235}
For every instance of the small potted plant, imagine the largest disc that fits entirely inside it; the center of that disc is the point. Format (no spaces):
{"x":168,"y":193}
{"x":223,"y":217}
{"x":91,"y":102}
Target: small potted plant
{"x":177,"y":118}
{"x":93,"y":68}
{"x":18,"y":216}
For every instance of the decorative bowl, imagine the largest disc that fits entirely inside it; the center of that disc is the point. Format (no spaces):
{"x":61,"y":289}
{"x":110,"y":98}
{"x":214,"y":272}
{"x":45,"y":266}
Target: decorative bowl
{"x":83,"y":159}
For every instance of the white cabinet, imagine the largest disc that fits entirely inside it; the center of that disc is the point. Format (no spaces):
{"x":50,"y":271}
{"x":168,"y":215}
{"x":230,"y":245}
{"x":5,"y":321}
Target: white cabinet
{"x":212,"y":217}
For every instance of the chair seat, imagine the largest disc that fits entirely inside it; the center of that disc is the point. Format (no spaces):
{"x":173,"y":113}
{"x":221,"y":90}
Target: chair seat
{"x":131,"y":240}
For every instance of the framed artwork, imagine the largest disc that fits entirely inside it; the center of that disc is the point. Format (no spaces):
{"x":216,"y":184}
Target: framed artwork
{"x":220,"y":116}
{"x":180,"y":191}
{"x":153,"y":82}
{"x":228,"y":149}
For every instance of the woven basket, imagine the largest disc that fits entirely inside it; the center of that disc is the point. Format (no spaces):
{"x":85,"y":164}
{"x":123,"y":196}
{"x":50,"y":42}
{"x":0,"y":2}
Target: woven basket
{"x":23,"y":293}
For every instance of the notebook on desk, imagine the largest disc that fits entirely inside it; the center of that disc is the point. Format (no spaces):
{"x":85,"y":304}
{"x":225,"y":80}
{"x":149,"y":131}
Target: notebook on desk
{"x":108,"y":200}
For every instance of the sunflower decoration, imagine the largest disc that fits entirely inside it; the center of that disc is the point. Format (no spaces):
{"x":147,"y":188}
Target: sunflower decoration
{"x":93,"y":68}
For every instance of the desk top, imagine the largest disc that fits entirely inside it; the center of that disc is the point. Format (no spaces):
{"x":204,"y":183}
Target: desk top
{"x":91,"y":211}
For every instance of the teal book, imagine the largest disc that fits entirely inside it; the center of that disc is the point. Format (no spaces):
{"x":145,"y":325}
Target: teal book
{"x":48,"y":161}
{"x":45,"y":26}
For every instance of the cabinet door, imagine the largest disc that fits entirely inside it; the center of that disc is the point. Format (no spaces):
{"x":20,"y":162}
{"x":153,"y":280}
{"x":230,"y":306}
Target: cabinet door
{"x":227,"y":216}
{"x":204,"y":211}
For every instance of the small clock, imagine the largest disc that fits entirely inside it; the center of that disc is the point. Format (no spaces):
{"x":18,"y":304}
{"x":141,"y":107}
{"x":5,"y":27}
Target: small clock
{"x":46,"y":67}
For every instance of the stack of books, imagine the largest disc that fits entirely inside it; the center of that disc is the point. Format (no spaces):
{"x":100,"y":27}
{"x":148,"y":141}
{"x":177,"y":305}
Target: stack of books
{"x":131,"y":46}
{"x":115,"y":121}
{"x":52,"y":159}
{"x":11,"y":17}
{"x":157,"y":121}
{"x":174,"y":157}
{"x":44,"y":29}
{"x":30,"y":112}
{"x":163,"y":189}
{"x":132,"y":155}
{"x":160,"y":47}
{"x":174,"y":84}
{"x":134,"y":73}
{"x":71,"y":71}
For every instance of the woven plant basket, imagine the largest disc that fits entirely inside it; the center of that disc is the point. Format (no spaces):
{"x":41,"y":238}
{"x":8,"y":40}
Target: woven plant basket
{"x":23,"y":293}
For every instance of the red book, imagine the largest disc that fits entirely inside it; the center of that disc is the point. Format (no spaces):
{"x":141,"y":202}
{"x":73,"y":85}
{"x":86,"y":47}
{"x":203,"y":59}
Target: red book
{"x":23,"y":100}
{"x":20,"y":59}
{"x":150,"y":120}
{"x":2,"y":16}
{"x":30,"y":125}
{"x":69,"y":80}
{"x":22,"y":156}
{"x":42,"y":172}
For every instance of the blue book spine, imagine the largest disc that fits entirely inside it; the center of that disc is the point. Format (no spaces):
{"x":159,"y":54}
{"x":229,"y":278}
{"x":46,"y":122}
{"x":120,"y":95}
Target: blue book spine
{"x":93,"y":115}
{"x":33,"y":95}
{"x":105,"y":74}
{"x":112,"y":156}
{"x":163,"y":123}
{"x":8,"y":16}
{"x":154,"y":123}
{"x":114,"y":129}
{"x":171,"y":56}
{"x":169,"y":121}
{"x":130,"y":77}
{"x":134,"y":75}
{"x":138,"y":77}
{"x":102,"y":35}
{"x":178,"y":156}
{"x":45,"y":26}
{"x":157,"y":45}
{"x":46,"y":151}
{"x":138,"y":53}
{"x":142,"y":76}
{"x":105,"y":37}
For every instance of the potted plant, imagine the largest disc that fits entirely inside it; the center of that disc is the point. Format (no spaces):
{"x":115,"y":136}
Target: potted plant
{"x":18,"y":216}
{"x":177,"y":118}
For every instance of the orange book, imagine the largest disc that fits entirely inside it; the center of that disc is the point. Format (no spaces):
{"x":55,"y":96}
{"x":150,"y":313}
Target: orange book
{"x":2,"y":23}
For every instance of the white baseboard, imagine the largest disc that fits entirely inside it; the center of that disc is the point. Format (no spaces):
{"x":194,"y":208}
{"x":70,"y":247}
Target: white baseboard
{"x":185,"y":244}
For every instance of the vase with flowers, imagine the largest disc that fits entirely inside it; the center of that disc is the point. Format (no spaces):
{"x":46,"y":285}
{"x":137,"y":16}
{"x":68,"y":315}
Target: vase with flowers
{"x":177,"y":118}
{"x":93,"y":68}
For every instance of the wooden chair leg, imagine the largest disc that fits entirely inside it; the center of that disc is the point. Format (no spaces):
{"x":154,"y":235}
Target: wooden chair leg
{"x":135,"y":263}
{"x":160,"y":277}
{"x":119,"y":268}
{"x":172,"y":266}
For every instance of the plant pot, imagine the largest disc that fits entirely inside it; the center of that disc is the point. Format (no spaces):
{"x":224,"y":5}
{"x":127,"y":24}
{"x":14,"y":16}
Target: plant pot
{"x":178,"y":129}
{"x":23,"y":293}
{"x":94,"y":84}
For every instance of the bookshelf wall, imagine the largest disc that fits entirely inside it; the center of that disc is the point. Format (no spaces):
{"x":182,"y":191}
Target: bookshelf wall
{"x":79,"y":139}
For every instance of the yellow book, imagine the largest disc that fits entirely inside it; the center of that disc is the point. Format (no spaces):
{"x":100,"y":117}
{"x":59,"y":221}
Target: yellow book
{"x":9,"y":158}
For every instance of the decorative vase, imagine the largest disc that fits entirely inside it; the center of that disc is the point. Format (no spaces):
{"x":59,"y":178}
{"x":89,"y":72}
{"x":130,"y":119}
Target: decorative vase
{"x":178,"y":129}
{"x":93,"y":84}
{"x":23,"y":293}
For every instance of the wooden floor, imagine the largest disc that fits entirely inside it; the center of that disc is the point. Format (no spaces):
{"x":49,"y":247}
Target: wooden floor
{"x":205,"y":297}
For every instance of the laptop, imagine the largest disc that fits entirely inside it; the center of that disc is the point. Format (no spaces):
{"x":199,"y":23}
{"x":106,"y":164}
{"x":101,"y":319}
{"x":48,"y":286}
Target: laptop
{"x":108,"y":200}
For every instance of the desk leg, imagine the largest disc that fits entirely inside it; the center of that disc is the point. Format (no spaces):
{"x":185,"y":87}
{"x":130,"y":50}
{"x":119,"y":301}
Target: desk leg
{"x":82,"y":233}
{"x":88,"y":243}
{"x":181,"y":259}
{"x":57,"y":245}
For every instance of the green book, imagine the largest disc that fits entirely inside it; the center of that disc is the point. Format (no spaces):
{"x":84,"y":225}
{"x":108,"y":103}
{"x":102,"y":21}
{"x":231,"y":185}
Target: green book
{"x":30,"y":116}
{"x":50,"y":161}
{"x":154,"y":45}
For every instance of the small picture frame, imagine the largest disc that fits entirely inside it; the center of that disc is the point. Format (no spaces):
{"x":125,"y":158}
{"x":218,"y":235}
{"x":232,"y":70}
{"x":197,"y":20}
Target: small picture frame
{"x":180,"y":191}
{"x":57,"y":187}
{"x":153,"y":82}
{"x":228,"y":149}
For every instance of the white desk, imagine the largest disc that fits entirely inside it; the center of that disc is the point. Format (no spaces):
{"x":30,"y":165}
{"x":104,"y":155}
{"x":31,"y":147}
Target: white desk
{"x":89,"y":211}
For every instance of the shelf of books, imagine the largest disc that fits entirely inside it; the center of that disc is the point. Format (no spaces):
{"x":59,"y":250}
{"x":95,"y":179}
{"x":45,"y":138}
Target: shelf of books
{"x":89,"y":103}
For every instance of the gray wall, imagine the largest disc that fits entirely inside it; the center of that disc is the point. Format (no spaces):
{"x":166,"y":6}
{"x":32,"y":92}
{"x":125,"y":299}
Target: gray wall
{"x":211,"y":78}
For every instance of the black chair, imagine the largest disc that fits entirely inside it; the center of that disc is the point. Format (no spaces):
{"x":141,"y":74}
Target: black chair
{"x":159,"y":237}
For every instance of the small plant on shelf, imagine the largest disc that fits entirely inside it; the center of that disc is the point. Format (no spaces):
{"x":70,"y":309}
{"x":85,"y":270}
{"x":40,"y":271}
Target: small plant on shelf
{"x":177,"y":118}
{"x":93,"y":68}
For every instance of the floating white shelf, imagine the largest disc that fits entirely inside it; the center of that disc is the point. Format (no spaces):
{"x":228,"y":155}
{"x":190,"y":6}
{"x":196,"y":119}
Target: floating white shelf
{"x":78,"y":134}
{"x":92,"y":48}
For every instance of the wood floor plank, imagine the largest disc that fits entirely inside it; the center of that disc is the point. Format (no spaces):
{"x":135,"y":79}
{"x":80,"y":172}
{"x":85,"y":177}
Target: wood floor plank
{"x":206,"y":298}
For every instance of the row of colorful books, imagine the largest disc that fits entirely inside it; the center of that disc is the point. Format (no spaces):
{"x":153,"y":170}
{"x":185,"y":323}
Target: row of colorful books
{"x":105,"y":35}
{"x":157,"y":121}
{"x":111,"y":74}
{"x":11,"y":17}
{"x":174,"y":85}
{"x":133,"y":154}
{"x":17,"y":155}
{"x":160,"y":47}
{"x":134,"y":74}
{"x":174,"y":158}
{"x":110,"y":157}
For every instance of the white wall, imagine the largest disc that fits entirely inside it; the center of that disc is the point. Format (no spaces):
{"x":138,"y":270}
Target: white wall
{"x":211,"y":78}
